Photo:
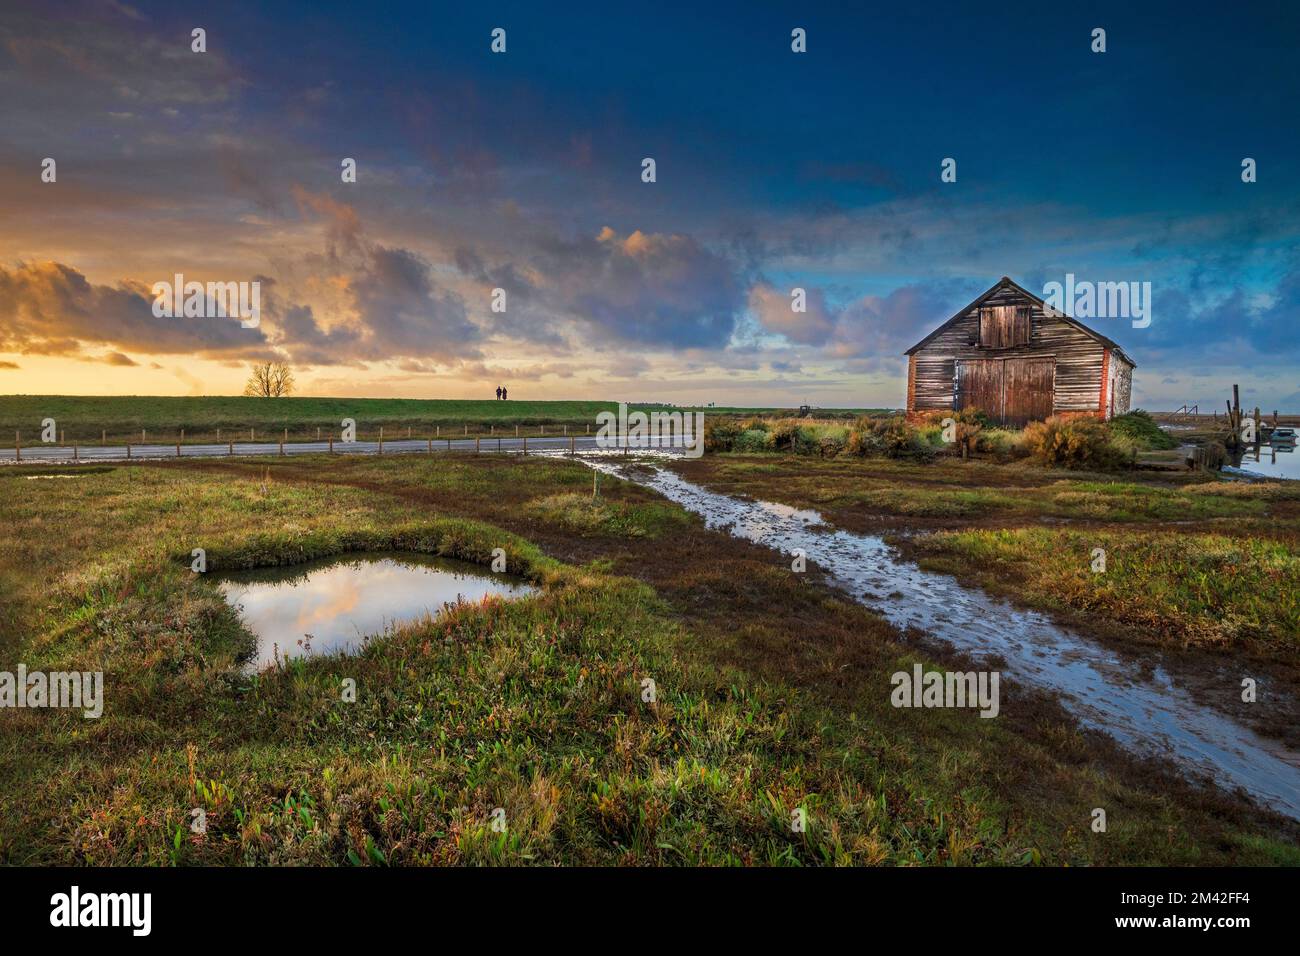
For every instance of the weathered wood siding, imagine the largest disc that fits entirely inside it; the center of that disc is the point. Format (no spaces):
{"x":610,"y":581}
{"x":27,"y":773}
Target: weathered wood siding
{"x":1077,"y":357}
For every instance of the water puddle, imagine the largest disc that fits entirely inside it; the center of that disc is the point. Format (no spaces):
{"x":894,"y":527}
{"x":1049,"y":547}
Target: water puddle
{"x":1270,"y":461}
{"x":334,"y":605}
{"x":1142,"y":709}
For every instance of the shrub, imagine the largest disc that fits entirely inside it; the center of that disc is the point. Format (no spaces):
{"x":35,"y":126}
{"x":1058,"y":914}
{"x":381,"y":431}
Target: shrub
{"x":720,"y":434}
{"x":1071,"y":443}
{"x":1140,"y":430}
{"x":751,"y":440}
{"x":831,"y":445}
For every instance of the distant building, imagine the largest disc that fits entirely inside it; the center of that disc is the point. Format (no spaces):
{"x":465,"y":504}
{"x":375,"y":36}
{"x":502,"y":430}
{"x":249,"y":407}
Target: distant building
{"x":1007,"y":356}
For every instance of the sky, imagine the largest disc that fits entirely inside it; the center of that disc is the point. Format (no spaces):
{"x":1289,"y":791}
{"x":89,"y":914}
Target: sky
{"x":522,"y":171}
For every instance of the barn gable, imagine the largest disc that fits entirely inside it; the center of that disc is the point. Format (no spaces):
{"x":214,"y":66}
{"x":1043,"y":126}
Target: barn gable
{"x":1009,"y":355}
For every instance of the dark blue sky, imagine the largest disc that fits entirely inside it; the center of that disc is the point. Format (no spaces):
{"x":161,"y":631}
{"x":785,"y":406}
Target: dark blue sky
{"x":775,"y":169}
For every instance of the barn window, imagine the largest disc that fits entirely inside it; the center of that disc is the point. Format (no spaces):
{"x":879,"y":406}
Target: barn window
{"x":1002,"y":326}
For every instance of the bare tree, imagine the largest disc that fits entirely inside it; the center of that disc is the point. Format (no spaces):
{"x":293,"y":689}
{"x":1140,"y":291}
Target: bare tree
{"x":269,"y":380}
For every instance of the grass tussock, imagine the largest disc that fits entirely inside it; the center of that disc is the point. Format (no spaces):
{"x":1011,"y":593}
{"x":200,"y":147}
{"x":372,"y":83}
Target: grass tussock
{"x":1195,"y":589}
{"x":589,"y":515}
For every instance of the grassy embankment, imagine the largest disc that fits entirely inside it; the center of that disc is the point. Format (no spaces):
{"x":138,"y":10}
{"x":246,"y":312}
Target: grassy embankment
{"x":87,"y":419}
{"x":1190,"y":560}
{"x":772,"y":694}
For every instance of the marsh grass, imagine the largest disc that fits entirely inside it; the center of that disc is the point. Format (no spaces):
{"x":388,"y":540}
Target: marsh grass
{"x":772,"y":695}
{"x":1193,"y":589}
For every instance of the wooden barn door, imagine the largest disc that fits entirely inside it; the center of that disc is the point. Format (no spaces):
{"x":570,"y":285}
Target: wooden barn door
{"x":979,"y":384}
{"x":1028,"y":386}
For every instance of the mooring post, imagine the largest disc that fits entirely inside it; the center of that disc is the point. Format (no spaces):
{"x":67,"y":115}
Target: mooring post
{"x":18,"y":446}
{"x":516,"y":431}
{"x":250,"y":435}
{"x":282,"y":448}
{"x":230,"y":448}
{"x":182,"y":434}
{"x":142,"y":438}
{"x":76,"y":456}
{"x":331,"y":444}
{"x":525,"y":444}
{"x":103,"y":436}
{"x":430,"y":446}
{"x":467,"y":429}
{"x":178,"y":449}
{"x":128,"y":449}
{"x":449,"y":446}
{"x":571,"y":448}
{"x":476,"y":448}
{"x":318,"y":433}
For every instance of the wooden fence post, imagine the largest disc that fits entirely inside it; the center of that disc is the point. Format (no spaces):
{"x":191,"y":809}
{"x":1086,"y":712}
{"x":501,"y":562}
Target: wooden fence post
{"x":476,"y":445}
{"x":230,"y":449}
{"x":76,"y":456}
{"x":571,"y":448}
{"x":525,"y":444}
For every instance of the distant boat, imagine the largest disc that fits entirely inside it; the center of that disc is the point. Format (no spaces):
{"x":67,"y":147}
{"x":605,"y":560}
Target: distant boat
{"x":1282,"y":436}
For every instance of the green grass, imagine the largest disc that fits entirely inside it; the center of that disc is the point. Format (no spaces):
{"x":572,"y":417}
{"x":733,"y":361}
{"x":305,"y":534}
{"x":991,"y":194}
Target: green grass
{"x":86,"y":418}
{"x":955,"y":489}
{"x":1194,"y":589}
{"x":772,"y":695}
{"x":587,"y":516}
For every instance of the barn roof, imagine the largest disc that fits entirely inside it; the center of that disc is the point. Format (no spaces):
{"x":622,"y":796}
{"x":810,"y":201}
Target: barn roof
{"x":1005,"y":283}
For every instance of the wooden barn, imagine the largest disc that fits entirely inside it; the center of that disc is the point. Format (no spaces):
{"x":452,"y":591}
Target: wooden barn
{"x":1008,"y":356}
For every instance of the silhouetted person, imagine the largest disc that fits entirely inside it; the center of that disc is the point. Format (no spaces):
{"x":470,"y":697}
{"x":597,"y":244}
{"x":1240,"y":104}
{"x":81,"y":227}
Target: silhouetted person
{"x":498,"y":393}
{"x":504,"y":393}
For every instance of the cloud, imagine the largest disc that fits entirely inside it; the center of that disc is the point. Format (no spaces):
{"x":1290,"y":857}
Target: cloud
{"x":49,"y":308}
{"x":775,"y":312}
{"x":871,"y":326}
